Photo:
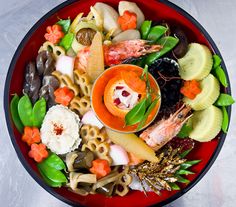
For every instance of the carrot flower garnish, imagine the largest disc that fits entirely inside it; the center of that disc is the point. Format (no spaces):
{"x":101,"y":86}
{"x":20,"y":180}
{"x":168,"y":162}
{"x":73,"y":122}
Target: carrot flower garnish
{"x":38,"y":152}
{"x":31,"y":135}
{"x":54,"y":34}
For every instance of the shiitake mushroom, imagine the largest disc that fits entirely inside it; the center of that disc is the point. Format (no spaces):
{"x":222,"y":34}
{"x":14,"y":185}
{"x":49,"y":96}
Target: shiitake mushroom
{"x":182,"y":47}
{"x":32,"y":82}
{"x":45,"y":63}
{"x":85,"y":36}
{"x":50,"y":84}
{"x":83,"y":160}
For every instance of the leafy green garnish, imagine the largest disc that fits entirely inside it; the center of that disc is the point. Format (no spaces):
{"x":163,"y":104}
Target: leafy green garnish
{"x":184,"y":172}
{"x":65,"y":23}
{"x":225,"y":122}
{"x":66,"y":41}
{"x":189,"y":164}
{"x":184,"y":132}
{"x":174,"y":186}
{"x":224,"y":100}
{"x":136,"y":114}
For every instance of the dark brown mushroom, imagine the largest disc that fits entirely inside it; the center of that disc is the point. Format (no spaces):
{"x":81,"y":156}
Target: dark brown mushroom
{"x":83,"y":160}
{"x":45,"y":63}
{"x":182,"y":47}
{"x":85,"y":36}
{"x":32,"y":82}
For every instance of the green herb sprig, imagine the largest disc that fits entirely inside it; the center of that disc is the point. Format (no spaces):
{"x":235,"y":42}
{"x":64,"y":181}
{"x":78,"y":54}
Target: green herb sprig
{"x":141,"y":111}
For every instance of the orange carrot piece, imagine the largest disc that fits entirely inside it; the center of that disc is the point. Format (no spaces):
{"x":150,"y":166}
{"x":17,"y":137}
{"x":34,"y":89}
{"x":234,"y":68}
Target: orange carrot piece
{"x":128,"y":20}
{"x":38,"y":152}
{"x":54,"y":34}
{"x":100,"y":167}
{"x":31,"y":135}
{"x":134,"y":160}
{"x":134,"y":81}
{"x":191,"y":89}
{"x":63,"y":95}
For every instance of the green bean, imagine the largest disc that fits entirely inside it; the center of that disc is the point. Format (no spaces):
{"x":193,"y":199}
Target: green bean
{"x":51,"y":173}
{"x":39,"y":111}
{"x":225,"y":122}
{"x":15,"y":114}
{"x":55,"y":162}
{"x":184,"y":172}
{"x":181,"y":179}
{"x":145,"y":28}
{"x":25,"y":110}
{"x":168,"y":44}
{"x":185,"y":153}
{"x":156,"y":32}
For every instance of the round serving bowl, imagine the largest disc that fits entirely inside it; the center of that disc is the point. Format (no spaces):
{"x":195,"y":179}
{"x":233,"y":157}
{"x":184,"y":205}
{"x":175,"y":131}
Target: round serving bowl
{"x":27,"y":51}
{"x":99,"y":102}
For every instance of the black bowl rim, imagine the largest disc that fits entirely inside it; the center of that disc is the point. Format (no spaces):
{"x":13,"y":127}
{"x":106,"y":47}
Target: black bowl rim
{"x":8,"y":119}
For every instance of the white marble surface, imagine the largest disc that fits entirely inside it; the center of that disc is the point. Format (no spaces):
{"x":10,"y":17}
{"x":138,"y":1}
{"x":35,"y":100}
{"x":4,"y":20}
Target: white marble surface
{"x":216,"y":189}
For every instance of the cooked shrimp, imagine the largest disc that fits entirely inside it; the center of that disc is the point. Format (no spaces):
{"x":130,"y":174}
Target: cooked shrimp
{"x":162,"y":132}
{"x":116,"y":53}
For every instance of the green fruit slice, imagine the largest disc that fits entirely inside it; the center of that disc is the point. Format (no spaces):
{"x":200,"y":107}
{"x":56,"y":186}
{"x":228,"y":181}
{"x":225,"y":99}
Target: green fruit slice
{"x":197,"y":62}
{"x":206,"y":124}
{"x":210,"y":92}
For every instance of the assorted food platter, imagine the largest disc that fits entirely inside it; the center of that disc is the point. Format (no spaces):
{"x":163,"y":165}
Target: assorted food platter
{"x":115,"y":105}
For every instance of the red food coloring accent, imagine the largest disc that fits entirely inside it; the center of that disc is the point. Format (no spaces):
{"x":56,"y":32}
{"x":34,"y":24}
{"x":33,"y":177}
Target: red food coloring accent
{"x":58,"y":129}
{"x":125,"y":93}
{"x":117,"y":101}
{"x":119,"y":87}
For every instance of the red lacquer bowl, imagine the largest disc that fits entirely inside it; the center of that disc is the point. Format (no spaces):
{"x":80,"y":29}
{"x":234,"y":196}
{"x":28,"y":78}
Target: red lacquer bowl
{"x":27,"y":51}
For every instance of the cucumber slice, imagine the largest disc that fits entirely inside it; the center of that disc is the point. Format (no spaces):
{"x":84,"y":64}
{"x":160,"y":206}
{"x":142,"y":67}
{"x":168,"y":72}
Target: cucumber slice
{"x":206,"y":124}
{"x":197,"y":62}
{"x":210,"y":92}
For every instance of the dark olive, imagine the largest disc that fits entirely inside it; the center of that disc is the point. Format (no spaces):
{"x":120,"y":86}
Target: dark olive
{"x":83,"y":160}
{"x":45,"y":63}
{"x":182,"y":47}
{"x":32,"y":82}
{"x":85,"y":36}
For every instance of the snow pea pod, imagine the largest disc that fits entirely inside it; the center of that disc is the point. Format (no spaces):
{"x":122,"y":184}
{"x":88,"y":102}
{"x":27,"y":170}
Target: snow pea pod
{"x":225,"y":122}
{"x":14,"y":113}
{"x":39,"y":111}
{"x":55,"y":162}
{"x":51,"y":173}
{"x":220,"y":74}
{"x":25,"y":110}
{"x":224,"y":100}
{"x":156,"y":32}
{"x":216,"y":60}
{"x":145,"y":28}
{"x":168,"y":44}
{"x":65,"y":23}
{"x":48,"y":181}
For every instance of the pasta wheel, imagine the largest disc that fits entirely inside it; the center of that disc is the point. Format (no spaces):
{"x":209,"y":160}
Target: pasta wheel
{"x":122,"y":185}
{"x":80,"y":105}
{"x":100,"y":149}
{"x":76,"y":178}
{"x":88,"y":132}
{"x":65,"y":80}
{"x":56,"y":50}
{"x":82,"y":80}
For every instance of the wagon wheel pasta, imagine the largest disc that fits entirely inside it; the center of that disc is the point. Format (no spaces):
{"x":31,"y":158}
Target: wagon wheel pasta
{"x":100,"y":149}
{"x":56,"y":50}
{"x":80,"y":105}
{"x":65,"y":80}
{"x":82,"y":80}
{"x":89,"y":132}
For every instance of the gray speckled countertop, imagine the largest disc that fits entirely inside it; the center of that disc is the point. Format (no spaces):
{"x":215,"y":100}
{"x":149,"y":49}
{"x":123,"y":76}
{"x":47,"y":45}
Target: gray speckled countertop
{"x":216,"y":189}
